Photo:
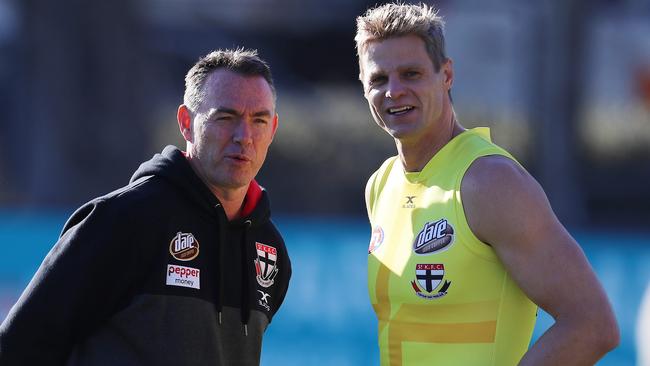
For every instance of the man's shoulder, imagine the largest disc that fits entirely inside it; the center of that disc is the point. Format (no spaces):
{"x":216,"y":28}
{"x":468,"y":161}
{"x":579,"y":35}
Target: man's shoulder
{"x":140,"y":191}
{"x":379,"y":177}
{"x":491,"y":174}
{"x":384,"y":169}
{"x":147,"y":194}
{"x":496,"y":189}
{"x":474,"y":144}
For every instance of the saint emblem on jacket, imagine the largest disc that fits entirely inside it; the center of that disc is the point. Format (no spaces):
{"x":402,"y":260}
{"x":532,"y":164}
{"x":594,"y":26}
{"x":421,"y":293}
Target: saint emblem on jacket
{"x":266,"y":264}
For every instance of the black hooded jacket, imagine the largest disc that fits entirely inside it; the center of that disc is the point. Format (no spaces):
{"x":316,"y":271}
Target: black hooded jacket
{"x":153,"y":274}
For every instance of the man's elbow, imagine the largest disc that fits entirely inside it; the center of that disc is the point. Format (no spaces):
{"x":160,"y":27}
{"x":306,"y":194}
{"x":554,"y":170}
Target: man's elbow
{"x":603,"y":333}
{"x":609,"y":335}
{"x":596,"y":331}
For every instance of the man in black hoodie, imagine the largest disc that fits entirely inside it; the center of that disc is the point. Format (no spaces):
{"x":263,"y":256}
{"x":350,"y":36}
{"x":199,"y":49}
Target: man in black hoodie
{"x":182,"y":266}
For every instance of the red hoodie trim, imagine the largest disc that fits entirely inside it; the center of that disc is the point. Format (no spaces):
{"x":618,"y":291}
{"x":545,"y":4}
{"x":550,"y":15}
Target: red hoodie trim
{"x":253,"y":196}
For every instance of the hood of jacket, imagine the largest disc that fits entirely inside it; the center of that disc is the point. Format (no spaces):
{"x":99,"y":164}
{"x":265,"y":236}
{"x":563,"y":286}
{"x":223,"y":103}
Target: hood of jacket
{"x":172,"y":165}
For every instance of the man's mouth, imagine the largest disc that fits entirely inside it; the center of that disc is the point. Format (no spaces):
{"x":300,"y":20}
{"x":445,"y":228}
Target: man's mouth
{"x":238,"y":157}
{"x":396,"y":111}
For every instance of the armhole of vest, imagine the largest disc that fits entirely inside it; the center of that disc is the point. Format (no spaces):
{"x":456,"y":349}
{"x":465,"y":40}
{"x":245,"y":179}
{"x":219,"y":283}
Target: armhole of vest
{"x":375,"y":183}
{"x":474,"y":244}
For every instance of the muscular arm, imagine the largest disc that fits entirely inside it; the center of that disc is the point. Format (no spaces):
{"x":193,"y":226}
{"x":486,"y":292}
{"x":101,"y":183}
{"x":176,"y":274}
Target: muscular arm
{"x":506,"y":208}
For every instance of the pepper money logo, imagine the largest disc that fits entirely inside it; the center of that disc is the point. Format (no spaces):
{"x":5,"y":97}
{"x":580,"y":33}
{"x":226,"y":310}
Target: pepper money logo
{"x":434,"y":237}
{"x":184,"y":247}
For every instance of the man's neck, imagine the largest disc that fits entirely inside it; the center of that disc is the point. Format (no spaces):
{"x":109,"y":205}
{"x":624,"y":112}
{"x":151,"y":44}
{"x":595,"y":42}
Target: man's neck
{"x":232,"y":200}
{"x":416,"y":154}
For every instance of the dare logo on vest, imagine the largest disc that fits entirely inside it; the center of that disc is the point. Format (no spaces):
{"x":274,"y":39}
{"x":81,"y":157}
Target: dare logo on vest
{"x":434,"y":237}
{"x":428,"y":277}
{"x":266,"y":264}
{"x":184,"y":247}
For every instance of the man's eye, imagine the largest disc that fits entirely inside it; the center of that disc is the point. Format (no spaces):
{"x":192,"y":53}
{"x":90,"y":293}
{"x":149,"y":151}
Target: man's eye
{"x":260,"y":120}
{"x":411,"y":74}
{"x":377,"y":80}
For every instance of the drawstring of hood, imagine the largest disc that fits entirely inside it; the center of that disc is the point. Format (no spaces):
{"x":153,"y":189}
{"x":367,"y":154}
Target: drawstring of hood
{"x":222,"y":240}
{"x":246,"y":278}
{"x":253,"y":197}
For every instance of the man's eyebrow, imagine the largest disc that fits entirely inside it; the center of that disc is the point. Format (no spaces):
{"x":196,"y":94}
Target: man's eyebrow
{"x":226,"y":110}
{"x":374,"y":74}
{"x":412,"y":66}
{"x":264,"y":113}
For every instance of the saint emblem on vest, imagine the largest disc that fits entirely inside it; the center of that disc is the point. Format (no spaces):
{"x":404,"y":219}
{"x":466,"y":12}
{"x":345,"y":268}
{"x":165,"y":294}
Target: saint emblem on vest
{"x":428,"y":278}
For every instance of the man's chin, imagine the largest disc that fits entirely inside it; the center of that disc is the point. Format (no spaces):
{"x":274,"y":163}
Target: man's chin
{"x":233,"y":183}
{"x":399,"y":133}
{"x":238,"y":184}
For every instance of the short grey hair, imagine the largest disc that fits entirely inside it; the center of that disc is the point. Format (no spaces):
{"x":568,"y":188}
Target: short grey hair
{"x":242,"y":61}
{"x":397,"y":19}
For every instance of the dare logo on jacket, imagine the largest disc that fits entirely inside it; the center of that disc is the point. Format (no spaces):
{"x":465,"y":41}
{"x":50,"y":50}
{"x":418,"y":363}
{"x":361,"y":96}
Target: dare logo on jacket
{"x":184,"y":247}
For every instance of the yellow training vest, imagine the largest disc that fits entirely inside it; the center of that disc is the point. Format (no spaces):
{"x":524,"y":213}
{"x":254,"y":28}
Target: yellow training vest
{"x":442,"y":297}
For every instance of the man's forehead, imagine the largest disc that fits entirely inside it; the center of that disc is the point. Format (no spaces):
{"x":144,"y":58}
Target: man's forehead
{"x":393,"y":52}
{"x":227,"y":90}
{"x":227,"y":83}
{"x":227,"y":77}
{"x":410,"y":42}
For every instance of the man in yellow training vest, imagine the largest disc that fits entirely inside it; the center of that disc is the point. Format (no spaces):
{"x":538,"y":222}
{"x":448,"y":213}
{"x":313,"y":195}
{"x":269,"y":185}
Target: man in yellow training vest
{"x":464,"y":243}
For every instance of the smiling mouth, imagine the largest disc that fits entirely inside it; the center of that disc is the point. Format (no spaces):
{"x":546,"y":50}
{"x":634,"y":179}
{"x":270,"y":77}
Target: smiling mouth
{"x":396,"y":111}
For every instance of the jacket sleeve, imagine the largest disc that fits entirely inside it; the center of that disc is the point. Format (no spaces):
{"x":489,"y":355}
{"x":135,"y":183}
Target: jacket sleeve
{"x":284,"y":275}
{"x":80,"y":284}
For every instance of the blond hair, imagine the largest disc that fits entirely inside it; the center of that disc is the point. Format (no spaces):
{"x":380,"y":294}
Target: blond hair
{"x":397,"y":19}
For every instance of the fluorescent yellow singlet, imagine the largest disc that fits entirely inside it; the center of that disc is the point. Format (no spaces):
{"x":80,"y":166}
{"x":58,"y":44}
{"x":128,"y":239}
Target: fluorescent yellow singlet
{"x":442,"y":297}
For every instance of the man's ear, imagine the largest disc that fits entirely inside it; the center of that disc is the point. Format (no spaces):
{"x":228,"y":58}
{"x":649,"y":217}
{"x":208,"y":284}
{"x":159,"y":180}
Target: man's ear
{"x":275,"y":125}
{"x":448,"y":70}
{"x":184,"y":117}
{"x":363,"y":85}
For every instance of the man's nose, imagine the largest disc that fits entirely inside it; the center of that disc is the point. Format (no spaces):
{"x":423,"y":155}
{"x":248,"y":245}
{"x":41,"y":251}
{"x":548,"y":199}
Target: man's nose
{"x":243,"y":133}
{"x":394,"y":89}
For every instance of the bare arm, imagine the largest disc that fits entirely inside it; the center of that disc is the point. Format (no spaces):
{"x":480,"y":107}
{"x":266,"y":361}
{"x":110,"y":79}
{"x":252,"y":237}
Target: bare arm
{"x":506,"y":208}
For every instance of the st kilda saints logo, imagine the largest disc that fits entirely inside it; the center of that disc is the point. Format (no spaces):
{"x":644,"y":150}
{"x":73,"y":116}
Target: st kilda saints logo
{"x":376,"y":239}
{"x":428,"y":278}
{"x":184,"y":247}
{"x":266,"y":264}
{"x":434,"y":237}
